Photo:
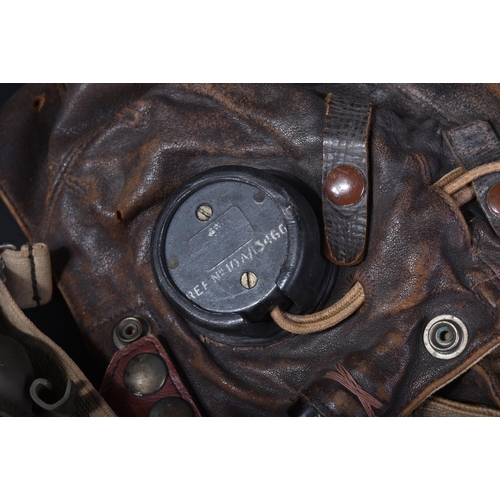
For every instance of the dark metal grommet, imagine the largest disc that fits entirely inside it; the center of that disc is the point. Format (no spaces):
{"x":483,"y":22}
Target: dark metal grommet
{"x":493,"y":199}
{"x":145,"y":374}
{"x":130,"y":329}
{"x":345,"y":185}
{"x":445,"y":336}
{"x":171,"y":407}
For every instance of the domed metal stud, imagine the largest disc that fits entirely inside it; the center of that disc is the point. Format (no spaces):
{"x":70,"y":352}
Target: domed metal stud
{"x":145,"y":374}
{"x":345,"y":185}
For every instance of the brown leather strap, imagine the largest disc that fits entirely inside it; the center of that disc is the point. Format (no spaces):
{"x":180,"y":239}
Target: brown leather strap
{"x":473,"y":145}
{"x":122,"y":383}
{"x":345,"y":179}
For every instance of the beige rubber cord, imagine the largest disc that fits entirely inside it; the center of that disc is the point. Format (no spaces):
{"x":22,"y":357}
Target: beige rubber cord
{"x":457,"y":182}
{"x":466,"y":178}
{"x":312,"y":323}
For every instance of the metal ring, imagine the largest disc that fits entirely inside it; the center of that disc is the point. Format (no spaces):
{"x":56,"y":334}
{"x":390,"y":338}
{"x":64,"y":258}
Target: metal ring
{"x":130,"y":329}
{"x":445,"y":336}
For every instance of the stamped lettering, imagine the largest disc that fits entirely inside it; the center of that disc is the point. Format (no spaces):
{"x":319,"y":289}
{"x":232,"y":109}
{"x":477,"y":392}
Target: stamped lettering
{"x":255,"y":248}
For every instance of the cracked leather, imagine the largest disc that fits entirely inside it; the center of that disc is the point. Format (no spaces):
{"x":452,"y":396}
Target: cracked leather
{"x":345,"y":142}
{"x":87,"y":169}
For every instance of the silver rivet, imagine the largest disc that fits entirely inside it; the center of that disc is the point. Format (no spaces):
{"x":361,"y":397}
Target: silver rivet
{"x":171,"y":407}
{"x":204,"y":212}
{"x":248,"y":279}
{"x":445,"y":336}
{"x":129,"y":329}
{"x":145,"y":374}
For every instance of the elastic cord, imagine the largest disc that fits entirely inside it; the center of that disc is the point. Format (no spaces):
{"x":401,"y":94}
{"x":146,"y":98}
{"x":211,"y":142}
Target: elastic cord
{"x":470,"y":176}
{"x":322,"y":320}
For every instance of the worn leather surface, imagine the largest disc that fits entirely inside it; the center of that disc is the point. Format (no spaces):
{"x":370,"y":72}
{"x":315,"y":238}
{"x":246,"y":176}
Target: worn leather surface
{"x":345,"y":142}
{"x":89,"y":170}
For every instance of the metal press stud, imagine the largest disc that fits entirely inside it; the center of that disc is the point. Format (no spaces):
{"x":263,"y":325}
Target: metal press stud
{"x":145,"y":374}
{"x":171,"y":407}
{"x":445,"y":336}
{"x":130,"y":329}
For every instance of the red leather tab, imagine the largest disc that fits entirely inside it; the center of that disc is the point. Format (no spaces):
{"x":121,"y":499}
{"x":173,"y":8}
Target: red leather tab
{"x":127,"y":404}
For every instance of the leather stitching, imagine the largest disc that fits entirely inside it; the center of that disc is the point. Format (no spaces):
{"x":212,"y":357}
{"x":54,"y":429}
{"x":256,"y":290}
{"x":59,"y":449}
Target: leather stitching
{"x":481,"y":127}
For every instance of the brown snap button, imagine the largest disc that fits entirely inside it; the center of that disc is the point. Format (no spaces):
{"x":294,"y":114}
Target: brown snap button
{"x":494,"y":199}
{"x":345,"y":185}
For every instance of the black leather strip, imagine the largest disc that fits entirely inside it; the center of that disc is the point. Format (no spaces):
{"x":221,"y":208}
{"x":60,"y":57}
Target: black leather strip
{"x":473,"y":145}
{"x":345,"y":143}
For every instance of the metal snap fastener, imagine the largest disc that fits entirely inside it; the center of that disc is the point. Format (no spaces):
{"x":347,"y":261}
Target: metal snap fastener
{"x":445,"y":336}
{"x":130,"y":329}
{"x":345,"y":185}
{"x":145,"y":374}
{"x":171,"y":407}
{"x":493,"y":199}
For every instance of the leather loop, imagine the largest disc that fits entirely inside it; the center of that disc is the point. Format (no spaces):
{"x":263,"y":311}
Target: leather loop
{"x":345,"y":179}
{"x":473,"y":145}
